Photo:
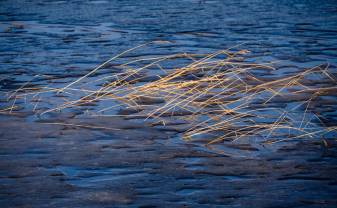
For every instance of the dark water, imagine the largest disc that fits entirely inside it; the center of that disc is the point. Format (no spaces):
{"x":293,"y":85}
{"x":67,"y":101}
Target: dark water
{"x":68,"y":166}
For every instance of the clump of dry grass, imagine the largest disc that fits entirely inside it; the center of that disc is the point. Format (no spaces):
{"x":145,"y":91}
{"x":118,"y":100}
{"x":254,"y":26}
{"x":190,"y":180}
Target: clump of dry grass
{"x":217,"y":96}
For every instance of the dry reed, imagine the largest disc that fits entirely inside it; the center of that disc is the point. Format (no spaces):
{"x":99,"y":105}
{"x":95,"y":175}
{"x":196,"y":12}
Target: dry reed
{"x":217,"y":96}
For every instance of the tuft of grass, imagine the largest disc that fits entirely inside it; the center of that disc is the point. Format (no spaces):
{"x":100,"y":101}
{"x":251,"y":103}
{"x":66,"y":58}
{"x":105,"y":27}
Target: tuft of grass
{"x":216,"y":97}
